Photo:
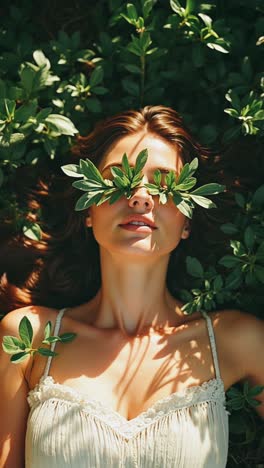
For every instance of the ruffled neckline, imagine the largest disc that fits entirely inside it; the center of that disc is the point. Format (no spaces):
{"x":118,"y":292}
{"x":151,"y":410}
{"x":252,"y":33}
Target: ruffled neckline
{"x":210,"y":392}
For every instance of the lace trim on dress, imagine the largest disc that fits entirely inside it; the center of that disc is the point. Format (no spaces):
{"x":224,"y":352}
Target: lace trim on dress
{"x":210,"y":392}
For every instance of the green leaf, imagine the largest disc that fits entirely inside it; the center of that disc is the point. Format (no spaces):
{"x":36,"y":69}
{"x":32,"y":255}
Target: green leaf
{"x":12,"y":345}
{"x":96,"y":76}
{"x":229,"y":261}
{"x":193,"y":166}
{"x":132,"y":12}
{"x":127,"y":169}
{"x":190,"y":6}
{"x":43,"y":114}
{"x":85,"y":201}
{"x":229,"y":228}
{"x":240,"y":199}
{"x":135,"y":48}
{"x":62,"y":124}
{"x":26,"y":331}
{"x":232,"y":112}
{"x":90,"y":171}
{"x":117,"y":172}
{"x":51,"y":339}
{"x":19,"y":357}
{"x":32,"y":231}
{"x":249,"y":238}
{"x":121,"y":182}
{"x":47,"y":352}
{"x":10,"y":107}
{"x":194,"y":267}
{"x":94,"y":105}
{"x":100,"y":90}
{"x":259,"y":115}
{"x":47,"y":330}
{"x":87,"y":185}
{"x":259,"y":272}
{"x":147,"y":7}
{"x":260,"y":251}
{"x":16,"y":138}
{"x":170,"y":180}
{"x":152,"y":189}
{"x":67,"y":337}
{"x":133,"y":69}
{"x":185,"y":172}
{"x":72,"y":170}
{"x":202,"y":201}
{"x":27,"y":76}
{"x":256,"y":390}
{"x":141,"y":161}
{"x":40,"y":59}
{"x":24,"y":112}
{"x":186,"y":185}
{"x":237,"y":247}
{"x":184,"y":208}
{"x":162,"y":198}
{"x":209,"y":189}
{"x":218,"y":283}
{"x":176,"y":6}
{"x":157,"y":177}
{"x":115,"y":196}
{"x":218,"y":47}
{"x":131,"y":87}
{"x":206,"y":19}
{"x":258,"y":196}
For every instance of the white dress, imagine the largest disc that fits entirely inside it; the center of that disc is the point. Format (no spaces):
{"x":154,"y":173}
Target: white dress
{"x":188,"y":429}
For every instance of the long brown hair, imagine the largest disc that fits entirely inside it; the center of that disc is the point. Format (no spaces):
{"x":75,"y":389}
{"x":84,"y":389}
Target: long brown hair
{"x":65,"y":271}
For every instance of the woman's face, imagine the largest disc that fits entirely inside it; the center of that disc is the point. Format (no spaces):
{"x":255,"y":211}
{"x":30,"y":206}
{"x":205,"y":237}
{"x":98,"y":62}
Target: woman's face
{"x":118,"y":227}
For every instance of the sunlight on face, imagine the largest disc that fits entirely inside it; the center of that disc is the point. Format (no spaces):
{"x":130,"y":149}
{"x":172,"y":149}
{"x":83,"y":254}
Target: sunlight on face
{"x":161,"y":155}
{"x":108,"y":220}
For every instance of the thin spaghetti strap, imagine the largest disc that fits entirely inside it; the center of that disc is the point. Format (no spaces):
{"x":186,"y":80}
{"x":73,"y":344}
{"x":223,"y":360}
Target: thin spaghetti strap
{"x":55,"y":333}
{"x":212,"y":343}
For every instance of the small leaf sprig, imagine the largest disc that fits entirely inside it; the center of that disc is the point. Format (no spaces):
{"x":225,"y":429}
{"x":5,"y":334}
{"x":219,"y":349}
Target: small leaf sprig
{"x":178,"y":188}
{"x":98,"y":189}
{"x":20,"y":348}
{"x":125,"y":180}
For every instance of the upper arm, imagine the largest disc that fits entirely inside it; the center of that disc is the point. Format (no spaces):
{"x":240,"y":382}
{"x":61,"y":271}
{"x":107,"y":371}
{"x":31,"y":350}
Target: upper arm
{"x":13,"y":402}
{"x":248,"y":344}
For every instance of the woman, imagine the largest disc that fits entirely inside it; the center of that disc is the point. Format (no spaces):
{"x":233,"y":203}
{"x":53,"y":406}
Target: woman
{"x":142,"y":384}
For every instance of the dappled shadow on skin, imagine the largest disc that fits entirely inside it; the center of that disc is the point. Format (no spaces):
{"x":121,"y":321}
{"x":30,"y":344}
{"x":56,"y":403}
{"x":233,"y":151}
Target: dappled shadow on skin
{"x":183,"y":363}
{"x":116,"y":370}
{"x":129,"y":377}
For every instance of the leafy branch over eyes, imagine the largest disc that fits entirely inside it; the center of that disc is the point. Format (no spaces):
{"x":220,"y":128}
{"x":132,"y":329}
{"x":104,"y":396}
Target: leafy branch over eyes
{"x":20,"y":348}
{"x":125,"y":180}
{"x":178,"y":188}
{"x":99,"y":189}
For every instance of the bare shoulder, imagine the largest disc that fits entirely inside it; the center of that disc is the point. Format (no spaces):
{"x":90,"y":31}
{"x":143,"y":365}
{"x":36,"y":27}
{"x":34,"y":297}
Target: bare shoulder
{"x":241,"y":336}
{"x":37,"y":315}
{"x":240,"y":333}
{"x":239,"y":326}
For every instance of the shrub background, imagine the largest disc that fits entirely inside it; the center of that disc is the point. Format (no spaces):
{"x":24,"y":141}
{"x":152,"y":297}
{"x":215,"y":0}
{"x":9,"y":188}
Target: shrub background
{"x":66,"y":65}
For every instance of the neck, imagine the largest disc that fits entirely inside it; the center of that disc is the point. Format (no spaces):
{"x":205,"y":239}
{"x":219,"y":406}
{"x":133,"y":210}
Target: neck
{"x":133,"y":296}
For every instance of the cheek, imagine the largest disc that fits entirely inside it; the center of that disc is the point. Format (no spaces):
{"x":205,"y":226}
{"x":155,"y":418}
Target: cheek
{"x":103,"y":219}
{"x":174,"y":221}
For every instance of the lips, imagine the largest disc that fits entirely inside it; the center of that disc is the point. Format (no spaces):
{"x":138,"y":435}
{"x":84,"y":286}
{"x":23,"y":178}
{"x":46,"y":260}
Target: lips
{"x":138,"y":221}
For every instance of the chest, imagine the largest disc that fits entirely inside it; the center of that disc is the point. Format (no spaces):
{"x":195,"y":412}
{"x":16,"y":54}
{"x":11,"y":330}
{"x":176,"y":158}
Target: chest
{"x":131,"y":376}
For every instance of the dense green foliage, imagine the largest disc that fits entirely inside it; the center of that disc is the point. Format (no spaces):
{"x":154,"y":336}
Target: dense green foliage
{"x":60,"y":74}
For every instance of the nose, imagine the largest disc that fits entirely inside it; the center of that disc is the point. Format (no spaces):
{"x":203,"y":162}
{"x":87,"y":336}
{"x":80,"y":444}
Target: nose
{"x":141,"y":199}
